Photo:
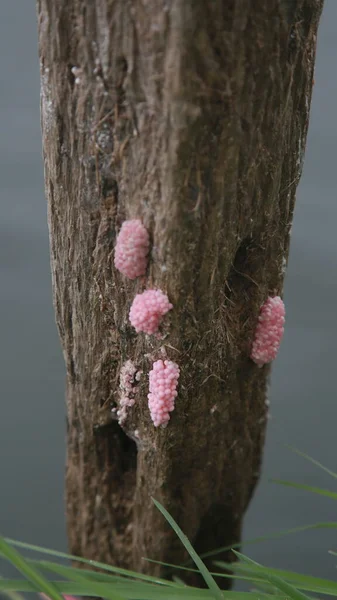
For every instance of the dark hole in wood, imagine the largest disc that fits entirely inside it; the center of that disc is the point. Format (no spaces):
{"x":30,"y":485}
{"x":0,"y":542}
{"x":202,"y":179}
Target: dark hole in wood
{"x":115,"y":450}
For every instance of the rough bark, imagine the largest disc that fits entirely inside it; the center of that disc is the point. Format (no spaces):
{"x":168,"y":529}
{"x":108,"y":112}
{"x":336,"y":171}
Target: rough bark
{"x":192,"y":116}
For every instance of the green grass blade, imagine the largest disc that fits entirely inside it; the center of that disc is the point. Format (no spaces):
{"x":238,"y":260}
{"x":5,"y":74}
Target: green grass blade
{"x":307,"y":488}
{"x":97,"y":588}
{"x":37,"y":580}
{"x":276,"y":581}
{"x":221,"y":564}
{"x":247,"y":560}
{"x":139,"y":591}
{"x":313,"y":461}
{"x":199,"y":563}
{"x":92,"y":563}
{"x":261,"y":581}
{"x":128,"y":590}
{"x":141,"y":576}
{"x":272,"y":536}
{"x":307,"y":583}
{"x":171,"y":565}
{"x":266,"y":538}
{"x":23,"y":585}
{"x":127,"y":587}
{"x":214,"y":574}
{"x":12,"y":595}
{"x":72,"y":572}
{"x":285,"y":587}
{"x":303,"y":582}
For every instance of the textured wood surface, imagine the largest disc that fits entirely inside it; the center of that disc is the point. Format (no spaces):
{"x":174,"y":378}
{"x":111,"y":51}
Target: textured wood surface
{"x":192,"y":116}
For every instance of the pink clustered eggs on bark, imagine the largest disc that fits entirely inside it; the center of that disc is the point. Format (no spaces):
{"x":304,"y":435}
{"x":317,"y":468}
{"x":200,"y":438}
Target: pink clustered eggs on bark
{"x":269,"y":331}
{"x":163,"y":390}
{"x":132,"y":248}
{"x":147,"y":310}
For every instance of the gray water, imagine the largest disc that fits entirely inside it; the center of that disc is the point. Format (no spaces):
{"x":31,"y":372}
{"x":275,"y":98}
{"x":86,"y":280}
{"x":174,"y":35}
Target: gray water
{"x":303,"y":391}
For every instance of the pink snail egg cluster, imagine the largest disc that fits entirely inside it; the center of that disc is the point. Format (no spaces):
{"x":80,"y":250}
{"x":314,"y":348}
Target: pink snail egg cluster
{"x":147,"y":310}
{"x":163,"y":390}
{"x":269,"y":331}
{"x":132,"y":248}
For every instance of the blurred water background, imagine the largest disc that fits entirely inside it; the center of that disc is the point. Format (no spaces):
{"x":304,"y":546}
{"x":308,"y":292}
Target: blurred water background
{"x":303,"y":390}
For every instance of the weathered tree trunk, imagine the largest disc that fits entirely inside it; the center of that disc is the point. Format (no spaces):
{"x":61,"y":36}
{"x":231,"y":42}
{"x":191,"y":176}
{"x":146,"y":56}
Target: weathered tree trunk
{"x":192,"y":116}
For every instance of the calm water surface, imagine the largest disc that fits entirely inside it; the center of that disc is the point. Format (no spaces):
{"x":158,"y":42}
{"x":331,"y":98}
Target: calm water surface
{"x":303,"y":390}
